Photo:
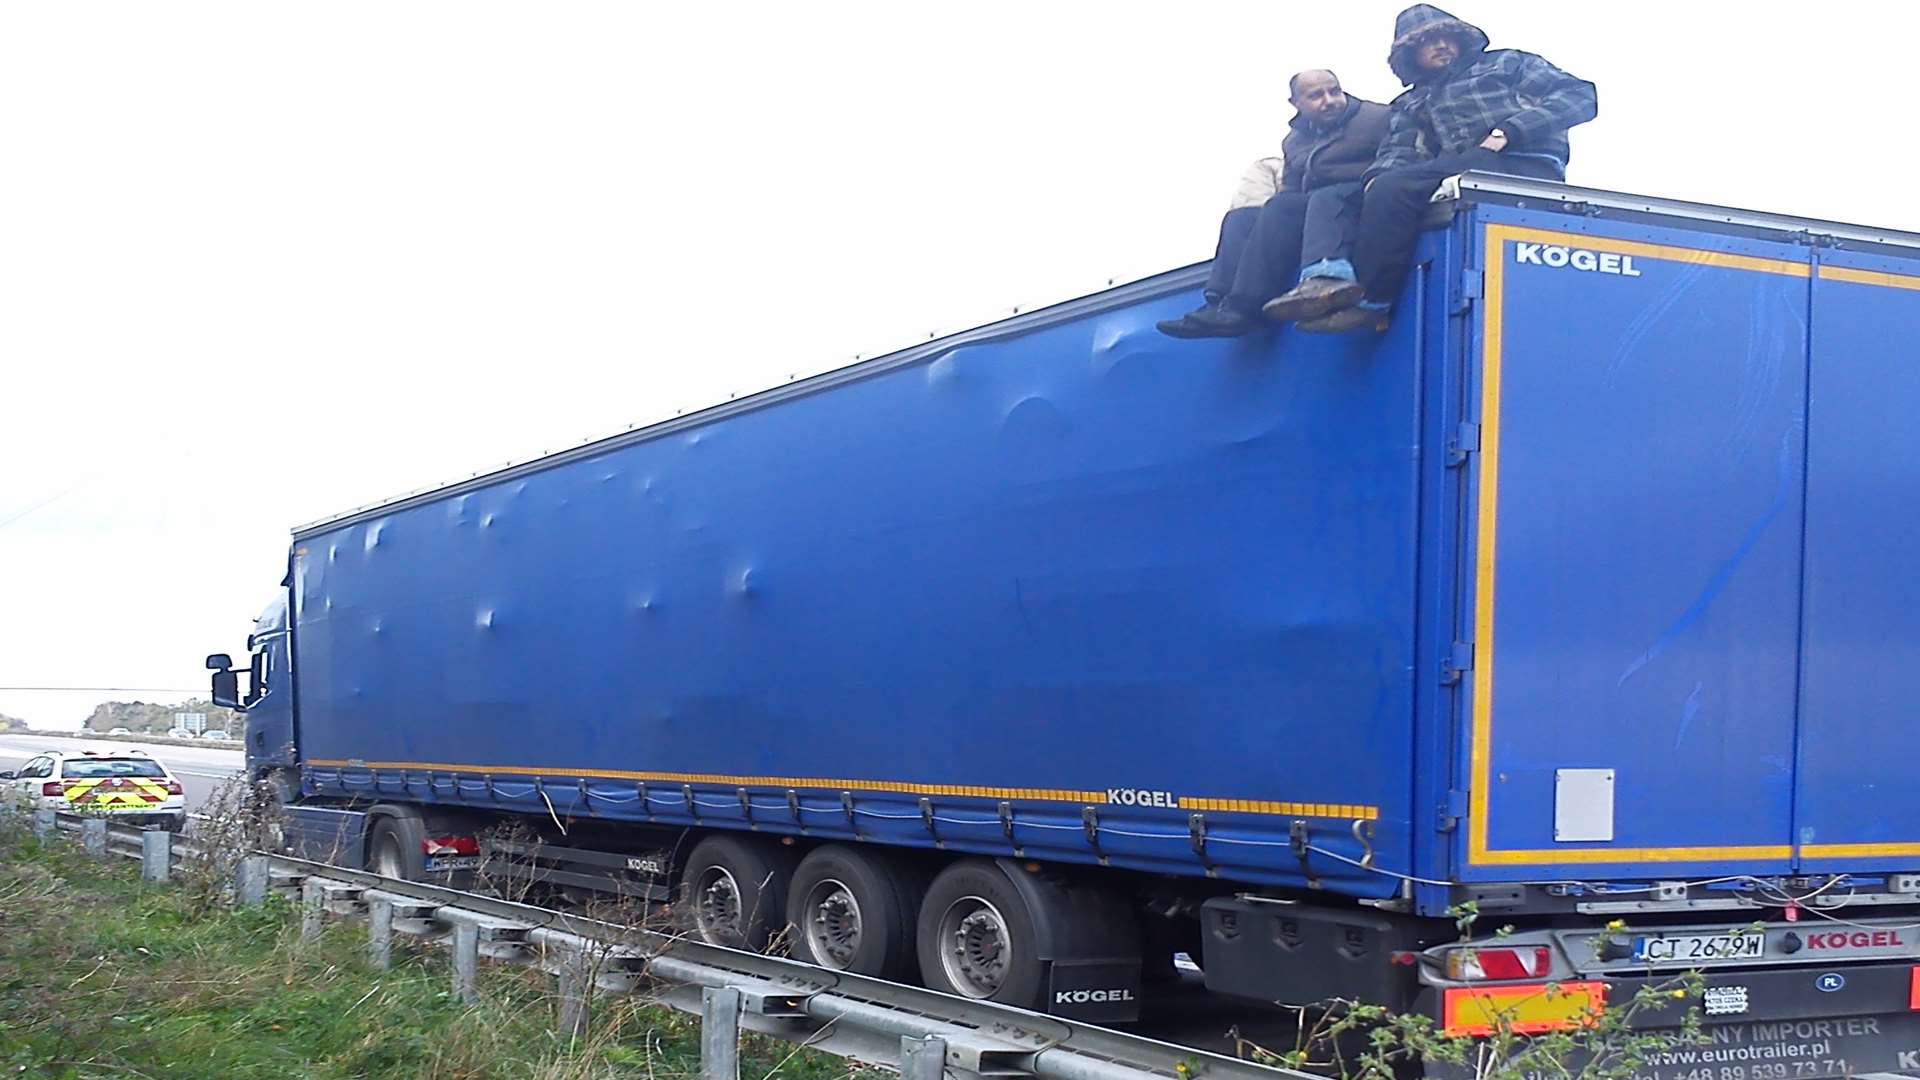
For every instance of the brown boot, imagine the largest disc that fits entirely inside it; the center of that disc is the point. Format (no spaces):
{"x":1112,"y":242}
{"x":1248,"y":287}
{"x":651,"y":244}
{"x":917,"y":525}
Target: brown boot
{"x":1313,"y":298}
{"x":1349,"y":319}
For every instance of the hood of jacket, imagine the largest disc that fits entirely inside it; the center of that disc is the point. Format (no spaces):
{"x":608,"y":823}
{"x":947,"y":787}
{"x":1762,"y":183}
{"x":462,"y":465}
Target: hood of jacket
{"x":1415,"y":25}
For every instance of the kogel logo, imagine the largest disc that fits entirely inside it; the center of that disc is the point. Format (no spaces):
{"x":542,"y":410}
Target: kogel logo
{"x":1594,"y":262}
{"x":1082,"y":997}
{"x":1858,"y":939}
{"x":1138,"y":797}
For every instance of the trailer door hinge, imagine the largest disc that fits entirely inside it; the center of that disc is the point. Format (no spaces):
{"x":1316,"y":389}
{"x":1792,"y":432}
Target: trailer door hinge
{"x":1457,"y":662}
{"x":1466,"y":440}
{"x":1472,"y":287}
{"x":1452,"y":810}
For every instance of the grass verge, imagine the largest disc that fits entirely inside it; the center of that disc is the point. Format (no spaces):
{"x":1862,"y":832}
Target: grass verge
{"x":103,"y":976}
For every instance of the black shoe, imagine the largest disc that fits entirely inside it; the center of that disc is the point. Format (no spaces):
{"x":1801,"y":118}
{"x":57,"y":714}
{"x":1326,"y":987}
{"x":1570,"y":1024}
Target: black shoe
{"x":1349,"y":319}
{"x":1210,"y":322}
{"x":1313,"y":298}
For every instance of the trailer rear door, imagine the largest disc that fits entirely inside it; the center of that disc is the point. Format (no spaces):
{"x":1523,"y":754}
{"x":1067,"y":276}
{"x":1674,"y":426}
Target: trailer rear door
{"x":1861,"y":681}
{"x":1634,"y":518}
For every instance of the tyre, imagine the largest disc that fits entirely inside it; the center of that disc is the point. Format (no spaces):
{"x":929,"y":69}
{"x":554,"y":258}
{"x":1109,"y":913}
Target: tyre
{"x":393,"y":848}
{"x":733,"y":891}
{"x":976,"y":937}
{"x":853,"y":910}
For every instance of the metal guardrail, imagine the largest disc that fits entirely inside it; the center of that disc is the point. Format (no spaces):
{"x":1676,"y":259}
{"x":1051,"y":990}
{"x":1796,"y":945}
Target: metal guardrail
{"x":922,"y":1032}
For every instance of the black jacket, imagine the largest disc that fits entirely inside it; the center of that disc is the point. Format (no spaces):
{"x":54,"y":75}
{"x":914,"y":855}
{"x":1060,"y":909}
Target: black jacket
{"x":1339,"y":153}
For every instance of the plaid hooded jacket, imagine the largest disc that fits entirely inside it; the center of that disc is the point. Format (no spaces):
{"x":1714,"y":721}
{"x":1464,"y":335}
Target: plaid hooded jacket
{"x":1451,"y":111}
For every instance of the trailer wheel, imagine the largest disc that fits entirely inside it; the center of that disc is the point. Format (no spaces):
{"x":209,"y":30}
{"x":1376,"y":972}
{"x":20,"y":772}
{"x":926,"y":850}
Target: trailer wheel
{"x":733,"y":891}
{"x":855,"y":911}
{"x":393,"y":848}
{"x":977,"y":937}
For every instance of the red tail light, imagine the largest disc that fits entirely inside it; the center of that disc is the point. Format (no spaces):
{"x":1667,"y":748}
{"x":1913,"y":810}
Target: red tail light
{"x":53,"y":788}
{"x":174,"y":788}
{"x":1523,"y":963}
{"x":450,"y":845}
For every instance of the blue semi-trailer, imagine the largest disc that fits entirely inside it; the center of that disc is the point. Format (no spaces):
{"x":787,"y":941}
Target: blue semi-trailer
{"x":1019,"y":660}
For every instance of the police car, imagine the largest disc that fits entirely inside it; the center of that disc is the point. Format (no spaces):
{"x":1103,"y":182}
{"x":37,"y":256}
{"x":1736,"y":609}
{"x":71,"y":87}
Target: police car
{"x":129,"y":786}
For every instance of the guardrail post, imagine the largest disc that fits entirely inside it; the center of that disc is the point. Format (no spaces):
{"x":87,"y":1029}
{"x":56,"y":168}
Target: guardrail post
{"x":923,"y":1059}
{"x":93,"y":832}
{"x":380,"y":933}
{"x":45,"y":824}
{"x":466,"y":962}
{"x":576,"y":993}
{"x":156,"y":856}
{"x":250,"y":881}
{"x":720,"y":1033}
{"x":313,"y":910}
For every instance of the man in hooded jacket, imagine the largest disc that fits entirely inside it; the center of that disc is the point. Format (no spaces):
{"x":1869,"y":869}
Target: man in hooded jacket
{"x":1467,"y":109}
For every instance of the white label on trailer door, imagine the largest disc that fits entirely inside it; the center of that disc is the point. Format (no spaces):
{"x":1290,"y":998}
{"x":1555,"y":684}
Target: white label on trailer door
{"x":1582,"y":805}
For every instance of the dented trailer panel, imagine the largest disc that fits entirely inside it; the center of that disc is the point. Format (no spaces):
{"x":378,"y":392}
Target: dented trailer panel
{"x":1065,"y":587}
{"x":1589,"y":570}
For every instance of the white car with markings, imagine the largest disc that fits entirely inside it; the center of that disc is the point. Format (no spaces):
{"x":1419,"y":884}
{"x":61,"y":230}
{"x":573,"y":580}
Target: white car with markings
{"x":130,"y":787}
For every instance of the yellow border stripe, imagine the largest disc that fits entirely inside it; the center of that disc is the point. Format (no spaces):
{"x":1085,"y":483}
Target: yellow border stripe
{"x":1592,"y":856}
{"x":1857,"y":851}
{"x":1691,"y":256}
{"x":1869,"y":277}
{"x":1098,"y":798}
{"x":1491,"y":344}
{"x":1494,"y":262}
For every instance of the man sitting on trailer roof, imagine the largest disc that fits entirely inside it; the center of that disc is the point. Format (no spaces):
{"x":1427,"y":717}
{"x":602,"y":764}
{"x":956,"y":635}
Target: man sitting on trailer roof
{"x":1467,"y":109}
{"x":1310,"y":217}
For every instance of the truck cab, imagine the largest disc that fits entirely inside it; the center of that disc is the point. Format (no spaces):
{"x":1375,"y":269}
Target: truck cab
{"x":267,"y":699}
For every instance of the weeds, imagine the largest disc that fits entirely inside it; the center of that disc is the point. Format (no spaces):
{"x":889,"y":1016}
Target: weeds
{"x":101,"y":976}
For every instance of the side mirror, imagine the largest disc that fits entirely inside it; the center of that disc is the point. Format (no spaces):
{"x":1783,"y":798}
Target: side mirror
{"x":226,"y":689}
{"x":219,"y":662}
{"x":9,"y":775}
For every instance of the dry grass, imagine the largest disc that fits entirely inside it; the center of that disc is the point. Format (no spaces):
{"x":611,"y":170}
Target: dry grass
{"x":101,"y":976}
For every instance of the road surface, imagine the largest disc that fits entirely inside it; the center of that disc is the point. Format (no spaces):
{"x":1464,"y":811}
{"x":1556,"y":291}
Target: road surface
{"x":200,"y":769}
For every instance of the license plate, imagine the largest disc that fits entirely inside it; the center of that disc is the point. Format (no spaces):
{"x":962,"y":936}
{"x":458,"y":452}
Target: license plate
{"x":1699,"y":948}
{"x":453,"y":862}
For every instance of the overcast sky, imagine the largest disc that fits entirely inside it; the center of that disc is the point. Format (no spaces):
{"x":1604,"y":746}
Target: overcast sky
{"x":262,"y":262}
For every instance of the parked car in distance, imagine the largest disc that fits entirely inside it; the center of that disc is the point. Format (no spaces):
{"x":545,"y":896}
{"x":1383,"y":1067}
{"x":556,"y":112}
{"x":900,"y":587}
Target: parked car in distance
{"x":129,"y":787}
{"x":217,"y":736}
{"x":121,"y":731}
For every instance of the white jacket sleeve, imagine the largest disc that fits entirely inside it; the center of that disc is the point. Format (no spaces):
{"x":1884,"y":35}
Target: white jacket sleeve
{"x":1258,"y":183}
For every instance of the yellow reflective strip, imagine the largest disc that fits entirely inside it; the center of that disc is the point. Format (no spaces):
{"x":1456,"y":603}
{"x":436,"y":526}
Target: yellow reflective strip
{"x":1592,"y":856}
{"x":1869,"y":277}
{"x":1667,"y":253}
{"x":1522,"y":1010}
{"x":1858,"y":851}
{"x":1250,"y":806}
{"x":1493,"y":286}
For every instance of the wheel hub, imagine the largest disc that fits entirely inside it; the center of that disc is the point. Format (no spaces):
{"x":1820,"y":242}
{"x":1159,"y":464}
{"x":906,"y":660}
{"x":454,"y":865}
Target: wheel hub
{"x":716,"y":907}
{"x":833,"y":924}
{"x":979,"y":950}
